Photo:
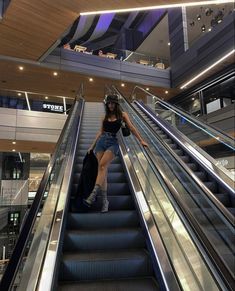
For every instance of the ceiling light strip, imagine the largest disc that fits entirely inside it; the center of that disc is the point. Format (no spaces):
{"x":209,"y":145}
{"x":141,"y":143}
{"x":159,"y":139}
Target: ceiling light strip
{"x":27,"y":100}
{"x":166,"y":6}
{"x":208,"y":69}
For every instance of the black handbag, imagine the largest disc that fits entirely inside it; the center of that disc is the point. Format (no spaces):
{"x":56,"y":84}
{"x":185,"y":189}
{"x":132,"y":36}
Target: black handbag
{"x":125,"y":129}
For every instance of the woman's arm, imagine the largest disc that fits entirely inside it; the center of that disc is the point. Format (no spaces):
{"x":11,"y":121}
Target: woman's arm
{"x":99,"y":133}
{"x":133,"y":129}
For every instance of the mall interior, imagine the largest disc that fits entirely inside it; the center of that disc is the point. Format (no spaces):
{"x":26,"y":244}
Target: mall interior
{"x":169,"y":221}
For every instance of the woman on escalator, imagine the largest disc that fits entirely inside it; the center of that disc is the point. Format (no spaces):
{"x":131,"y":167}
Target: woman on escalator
{"x":106,"y":147}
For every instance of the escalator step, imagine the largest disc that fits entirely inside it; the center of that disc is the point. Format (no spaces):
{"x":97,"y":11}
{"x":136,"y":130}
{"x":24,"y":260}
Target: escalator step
{"x":224,"y":199}
{"x":179,"y":152}
{"x":83,"y":146}
{"x":133,"y":284}
{"x":79,"y":159}
{"x":91,"y":126}
{"x":173,"y":146}
{"x":232,"y":210}
{"x":86,"y":140}
{"x":163,"y":136}
{"x":76,"y":240}
{"x":105,"y":265}
{"x":87,"y":135}
{"x":113,"y":168}
{"x":114,"y":189}
{"x":168,"y":141}
{"x":111,"y":177}
{"x":212,"y":186}
{"x":201,"y":175}
{"x":185,"y":159}
{"x":122,"y":202}
{"x":192,"y":166}
{"x":95,"y":220}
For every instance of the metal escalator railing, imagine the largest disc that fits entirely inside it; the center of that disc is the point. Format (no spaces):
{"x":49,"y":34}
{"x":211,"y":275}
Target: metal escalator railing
{"x":33,"y":236}
{"x":220,"y":232}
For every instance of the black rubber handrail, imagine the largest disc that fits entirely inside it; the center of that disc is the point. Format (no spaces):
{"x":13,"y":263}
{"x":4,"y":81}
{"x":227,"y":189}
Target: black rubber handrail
{"x":13,"y":265}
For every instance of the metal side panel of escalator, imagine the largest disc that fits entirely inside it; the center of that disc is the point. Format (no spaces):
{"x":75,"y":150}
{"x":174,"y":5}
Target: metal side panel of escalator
{"x":104,"y":251}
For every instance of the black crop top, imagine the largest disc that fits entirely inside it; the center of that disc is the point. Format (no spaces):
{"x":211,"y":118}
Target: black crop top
{"x":112,"y":126}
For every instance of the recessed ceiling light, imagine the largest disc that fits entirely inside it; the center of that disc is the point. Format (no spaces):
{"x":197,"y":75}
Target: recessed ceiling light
{"x":166,"y":6}
{"x":14,"y":142}
{"x":166,"y":92}
{"x":169,"y":43}
{"x":147,"y":89}
{"x":19,"y":94}
{"x":123,"y":85}
{"x":199,"y":17}
{"x":209,"y":29}
{"x":13,"y":150}
{"x":21,"y":68}
{"x":91,"y":79}
{"x":203,"y":28}
{"x":55,"y":74}
{"x":46,"y":97}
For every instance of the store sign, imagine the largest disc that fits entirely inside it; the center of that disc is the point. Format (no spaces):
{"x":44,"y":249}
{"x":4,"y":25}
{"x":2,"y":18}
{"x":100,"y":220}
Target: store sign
{"x":52,"y":107}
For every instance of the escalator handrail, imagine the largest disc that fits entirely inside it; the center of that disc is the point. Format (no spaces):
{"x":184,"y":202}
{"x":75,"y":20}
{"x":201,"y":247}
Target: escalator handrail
{"x":201,"y":236}
{"x":13,"y":265}
{"x":222,"y":209}
{"x":214,"y":132}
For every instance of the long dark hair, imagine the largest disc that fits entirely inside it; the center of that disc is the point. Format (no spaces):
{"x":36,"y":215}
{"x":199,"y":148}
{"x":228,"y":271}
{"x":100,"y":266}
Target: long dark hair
{"x":117,"y":112}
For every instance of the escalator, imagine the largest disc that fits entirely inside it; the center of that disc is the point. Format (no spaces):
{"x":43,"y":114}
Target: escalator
{"x":142,"y":243}
{"x":224,"y":194}
{"x":99,"y":249}
{"x":198,"y":188}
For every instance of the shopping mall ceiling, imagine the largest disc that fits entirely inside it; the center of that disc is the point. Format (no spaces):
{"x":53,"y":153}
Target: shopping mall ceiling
{"x":30,"y":27}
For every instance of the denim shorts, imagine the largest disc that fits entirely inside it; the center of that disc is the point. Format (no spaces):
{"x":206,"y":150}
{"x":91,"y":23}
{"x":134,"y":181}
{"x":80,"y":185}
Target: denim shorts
{"x":107,"y":141}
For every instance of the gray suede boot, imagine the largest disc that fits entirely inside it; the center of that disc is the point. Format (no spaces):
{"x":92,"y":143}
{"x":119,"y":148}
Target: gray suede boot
{"x":105,"y":202}
{"x":92,"y":197}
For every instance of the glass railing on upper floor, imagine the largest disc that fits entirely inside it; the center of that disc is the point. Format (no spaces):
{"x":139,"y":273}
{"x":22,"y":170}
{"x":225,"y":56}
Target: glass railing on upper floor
{"x":25,"y":100}
{"x":153,"y":61}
